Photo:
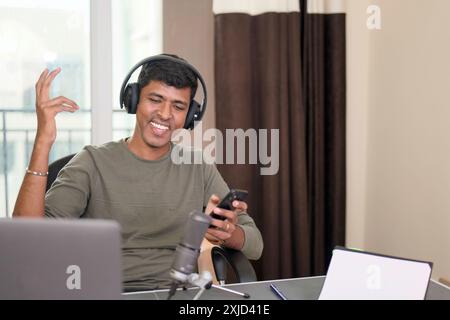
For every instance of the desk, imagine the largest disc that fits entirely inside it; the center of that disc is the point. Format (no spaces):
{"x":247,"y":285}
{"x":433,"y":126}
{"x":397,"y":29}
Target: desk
{"x":295,"y":289}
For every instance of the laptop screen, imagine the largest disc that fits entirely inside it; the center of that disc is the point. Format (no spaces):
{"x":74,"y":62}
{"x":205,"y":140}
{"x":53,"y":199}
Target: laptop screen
{"x":60,"y":259}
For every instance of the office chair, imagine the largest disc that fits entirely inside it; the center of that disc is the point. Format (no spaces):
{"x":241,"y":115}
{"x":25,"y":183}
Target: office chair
{"x":228,"y":265}
{"x":241,"y":268}
{"x":55,"y":167}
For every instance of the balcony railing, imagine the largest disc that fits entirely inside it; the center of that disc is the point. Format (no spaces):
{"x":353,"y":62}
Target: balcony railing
{"x":17,"y":144}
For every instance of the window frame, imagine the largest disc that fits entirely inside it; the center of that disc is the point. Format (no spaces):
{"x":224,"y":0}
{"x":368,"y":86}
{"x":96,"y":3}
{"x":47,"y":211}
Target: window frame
{"x":101,"y":71}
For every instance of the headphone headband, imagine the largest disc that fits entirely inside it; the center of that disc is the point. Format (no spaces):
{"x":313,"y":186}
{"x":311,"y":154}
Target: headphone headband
{"x":198,"y":115}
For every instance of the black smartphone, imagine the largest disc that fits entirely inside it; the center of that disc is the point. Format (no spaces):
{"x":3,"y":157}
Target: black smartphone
{"x":227,"y":201}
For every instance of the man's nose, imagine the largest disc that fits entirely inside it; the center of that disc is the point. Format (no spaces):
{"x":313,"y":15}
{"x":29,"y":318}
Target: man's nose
{"x":165,"y":111}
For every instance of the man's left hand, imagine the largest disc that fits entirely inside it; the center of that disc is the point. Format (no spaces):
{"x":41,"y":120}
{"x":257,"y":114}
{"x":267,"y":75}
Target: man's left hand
{"x":226,"y":229}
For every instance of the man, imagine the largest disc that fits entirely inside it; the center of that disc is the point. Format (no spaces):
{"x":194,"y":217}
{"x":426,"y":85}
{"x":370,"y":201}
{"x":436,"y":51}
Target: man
{"x":134,"y":181}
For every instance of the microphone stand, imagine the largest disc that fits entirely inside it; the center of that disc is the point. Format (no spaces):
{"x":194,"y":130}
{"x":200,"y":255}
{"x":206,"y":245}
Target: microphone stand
{"x":204,"y":282}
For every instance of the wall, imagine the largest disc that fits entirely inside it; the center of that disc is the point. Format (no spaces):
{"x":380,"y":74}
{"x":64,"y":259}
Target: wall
{"x":358,"y":55}
{"x":405,"y":164}
{"x":398,"y":121}
{"x":188,"y":31}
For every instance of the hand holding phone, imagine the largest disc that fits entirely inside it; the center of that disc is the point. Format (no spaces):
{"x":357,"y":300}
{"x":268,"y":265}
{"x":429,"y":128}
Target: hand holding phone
{"x":227,"y":201}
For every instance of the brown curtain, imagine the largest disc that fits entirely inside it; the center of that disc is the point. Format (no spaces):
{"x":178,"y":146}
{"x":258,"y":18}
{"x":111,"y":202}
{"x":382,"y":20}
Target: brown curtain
{"x":286,"y":71}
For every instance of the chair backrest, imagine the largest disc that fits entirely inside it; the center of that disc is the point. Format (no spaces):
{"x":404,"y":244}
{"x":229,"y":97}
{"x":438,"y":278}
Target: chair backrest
{"x":225,"y":258}
{"x":55,"y":167}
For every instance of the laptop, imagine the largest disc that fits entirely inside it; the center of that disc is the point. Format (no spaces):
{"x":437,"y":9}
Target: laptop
{"x":360,"y":275}
{"x":60,"y":259}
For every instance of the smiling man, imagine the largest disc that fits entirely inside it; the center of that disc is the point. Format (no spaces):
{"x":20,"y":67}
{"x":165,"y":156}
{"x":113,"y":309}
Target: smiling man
{"x":162,"y":109}
{"x":134,"y":181}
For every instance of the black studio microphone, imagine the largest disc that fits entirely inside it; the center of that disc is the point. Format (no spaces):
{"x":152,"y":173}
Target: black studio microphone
{"x":188,"y":250}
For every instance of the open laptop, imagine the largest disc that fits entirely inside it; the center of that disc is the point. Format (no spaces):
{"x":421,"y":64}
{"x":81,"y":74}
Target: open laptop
{"x":60,"y":259}
{"x":359,"y":275}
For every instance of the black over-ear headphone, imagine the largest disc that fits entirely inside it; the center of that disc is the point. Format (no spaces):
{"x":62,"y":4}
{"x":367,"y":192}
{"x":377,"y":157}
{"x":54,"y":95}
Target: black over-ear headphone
{"x":129,"y":92}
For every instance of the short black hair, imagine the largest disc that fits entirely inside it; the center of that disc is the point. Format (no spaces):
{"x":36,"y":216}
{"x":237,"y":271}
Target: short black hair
{"x":172,"y":73}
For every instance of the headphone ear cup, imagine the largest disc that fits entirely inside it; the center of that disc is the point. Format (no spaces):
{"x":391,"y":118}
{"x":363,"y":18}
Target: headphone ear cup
{"x":131,"y":97}
{"x":192,"y":115}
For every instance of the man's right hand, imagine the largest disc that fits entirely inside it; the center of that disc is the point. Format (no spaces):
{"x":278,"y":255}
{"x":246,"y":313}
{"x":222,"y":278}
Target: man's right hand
{"x":47,"y":109}
{"x":30,"y":200}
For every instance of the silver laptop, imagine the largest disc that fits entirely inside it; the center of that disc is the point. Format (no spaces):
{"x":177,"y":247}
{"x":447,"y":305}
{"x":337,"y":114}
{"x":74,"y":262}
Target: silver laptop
{"x":359,"y":275}
{"x":60,"y":259}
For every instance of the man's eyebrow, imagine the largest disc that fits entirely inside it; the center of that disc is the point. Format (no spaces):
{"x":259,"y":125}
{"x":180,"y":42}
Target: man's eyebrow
{"x":154,"y":94}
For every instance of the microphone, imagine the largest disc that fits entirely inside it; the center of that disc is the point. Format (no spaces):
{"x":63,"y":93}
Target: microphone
{"x":188,"y":250}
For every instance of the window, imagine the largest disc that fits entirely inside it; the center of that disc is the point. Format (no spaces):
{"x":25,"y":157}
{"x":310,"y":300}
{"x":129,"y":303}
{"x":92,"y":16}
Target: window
{"x":35,"y":34}
{"x":137,"y":34}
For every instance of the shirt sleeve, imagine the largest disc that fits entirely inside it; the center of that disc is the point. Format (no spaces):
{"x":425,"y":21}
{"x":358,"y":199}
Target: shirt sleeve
{"x":69,"y":194}
{"x":253,"y":242}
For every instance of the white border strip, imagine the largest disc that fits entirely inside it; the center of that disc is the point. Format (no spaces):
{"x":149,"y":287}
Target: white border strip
{"x":255,"y":7}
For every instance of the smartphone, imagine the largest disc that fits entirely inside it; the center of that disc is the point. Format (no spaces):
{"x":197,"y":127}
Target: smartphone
{"x":227,"y":201}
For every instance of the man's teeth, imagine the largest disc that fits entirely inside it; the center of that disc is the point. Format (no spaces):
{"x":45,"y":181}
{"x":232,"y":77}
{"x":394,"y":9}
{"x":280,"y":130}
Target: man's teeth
{"x":159,"y":126}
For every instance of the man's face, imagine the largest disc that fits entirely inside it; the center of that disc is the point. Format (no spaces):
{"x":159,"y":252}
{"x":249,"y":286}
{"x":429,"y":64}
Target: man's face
{"x":161,"y":110}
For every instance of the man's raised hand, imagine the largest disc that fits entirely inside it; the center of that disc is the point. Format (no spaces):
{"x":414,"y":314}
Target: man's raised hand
{"x":47,"y":109}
